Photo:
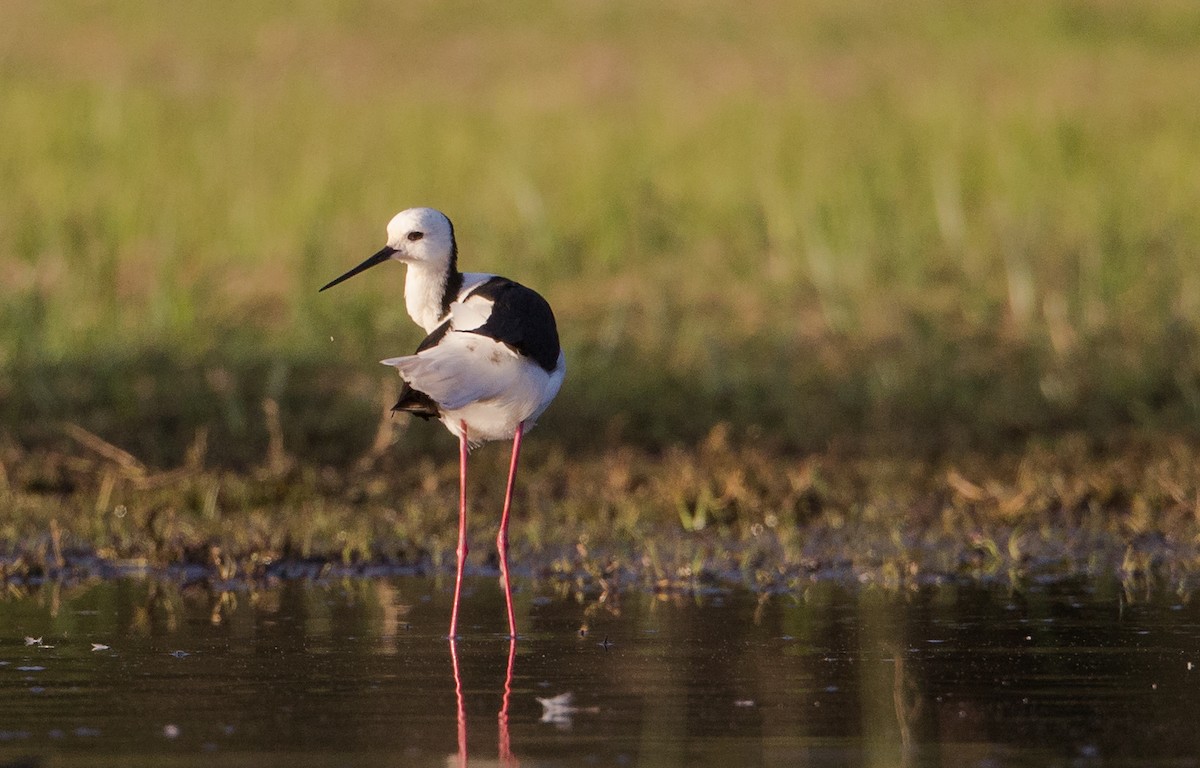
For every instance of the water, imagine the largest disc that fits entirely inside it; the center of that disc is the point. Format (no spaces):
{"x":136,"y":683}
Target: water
{"x":359,"y":673}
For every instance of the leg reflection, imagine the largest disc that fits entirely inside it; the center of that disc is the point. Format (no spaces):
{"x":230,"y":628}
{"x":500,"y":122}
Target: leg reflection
{"x":506,"y":755}
{"x":504,"y":742}
{"x":462,"y":710}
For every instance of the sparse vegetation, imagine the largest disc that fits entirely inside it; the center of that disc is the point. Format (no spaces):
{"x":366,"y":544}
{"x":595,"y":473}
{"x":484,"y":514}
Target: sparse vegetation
{"x":919,"y":280}
{"x":684,"y":518}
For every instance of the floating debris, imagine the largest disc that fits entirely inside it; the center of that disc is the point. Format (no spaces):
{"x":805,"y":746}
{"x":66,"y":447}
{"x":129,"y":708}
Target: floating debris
{"x":32,"y":640}
{"x":180,"y":654}
{"x":558,"y":709}
{"x":171,"y":731}
{"x":744,"y":703}
{"x":99,"y":647}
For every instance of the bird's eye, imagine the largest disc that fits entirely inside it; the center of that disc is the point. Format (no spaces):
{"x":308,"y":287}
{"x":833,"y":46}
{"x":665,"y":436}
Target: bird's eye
{"x":415,"y":236}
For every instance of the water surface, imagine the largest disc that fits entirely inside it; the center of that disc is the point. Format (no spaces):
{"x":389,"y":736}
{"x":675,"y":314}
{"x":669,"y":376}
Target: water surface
{"x":359,"y":672}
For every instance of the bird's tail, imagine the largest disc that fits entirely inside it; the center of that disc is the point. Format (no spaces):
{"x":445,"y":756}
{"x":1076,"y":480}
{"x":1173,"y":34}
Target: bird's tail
{"x":412,"y":400}
{"x":416,"y":402}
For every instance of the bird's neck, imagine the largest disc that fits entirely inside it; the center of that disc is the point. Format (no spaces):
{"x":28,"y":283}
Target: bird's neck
{"x":428,"y":292}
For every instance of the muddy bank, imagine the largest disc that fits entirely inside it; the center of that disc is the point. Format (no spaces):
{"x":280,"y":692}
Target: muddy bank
{"x":682,"y":518}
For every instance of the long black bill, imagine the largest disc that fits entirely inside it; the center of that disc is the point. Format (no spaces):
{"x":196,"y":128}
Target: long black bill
{"x":379,"y":258}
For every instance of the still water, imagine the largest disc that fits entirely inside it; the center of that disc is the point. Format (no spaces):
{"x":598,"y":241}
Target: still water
{"x":359,"y":672}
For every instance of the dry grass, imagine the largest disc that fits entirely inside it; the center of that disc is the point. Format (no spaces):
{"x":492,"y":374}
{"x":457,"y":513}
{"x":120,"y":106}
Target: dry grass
{"x":682,"y":519}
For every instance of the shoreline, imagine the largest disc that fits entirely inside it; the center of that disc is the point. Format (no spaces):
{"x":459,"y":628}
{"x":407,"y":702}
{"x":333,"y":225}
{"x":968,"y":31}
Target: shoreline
{"x":723,"y":512}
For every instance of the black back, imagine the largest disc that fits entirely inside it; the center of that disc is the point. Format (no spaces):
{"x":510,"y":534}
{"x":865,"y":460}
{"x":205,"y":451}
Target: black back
{"x":520,"y":318}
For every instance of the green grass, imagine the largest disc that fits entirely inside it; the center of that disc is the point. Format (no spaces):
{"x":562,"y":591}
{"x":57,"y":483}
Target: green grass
{"x":921,"y":227}
{"x":679,"y":179}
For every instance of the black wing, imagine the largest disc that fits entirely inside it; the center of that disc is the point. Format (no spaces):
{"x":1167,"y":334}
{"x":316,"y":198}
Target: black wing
{"x":433,"y":339}
{"x":521,"y":319}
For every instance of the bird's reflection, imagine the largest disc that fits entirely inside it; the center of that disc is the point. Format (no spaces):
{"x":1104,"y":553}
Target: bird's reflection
{"x":506,"y":757}
{"x":462,"y":710}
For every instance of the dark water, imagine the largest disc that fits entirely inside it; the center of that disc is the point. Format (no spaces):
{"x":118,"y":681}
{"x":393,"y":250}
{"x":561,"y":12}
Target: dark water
{"x":359,"y":673}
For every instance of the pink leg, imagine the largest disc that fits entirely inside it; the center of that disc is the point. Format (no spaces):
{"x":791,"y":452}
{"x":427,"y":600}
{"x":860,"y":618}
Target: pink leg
{"x":462,"y":526}
{"x":502,"y":536}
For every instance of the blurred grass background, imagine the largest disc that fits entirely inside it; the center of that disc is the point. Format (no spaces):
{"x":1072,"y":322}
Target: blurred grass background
{"x":924,"y":224}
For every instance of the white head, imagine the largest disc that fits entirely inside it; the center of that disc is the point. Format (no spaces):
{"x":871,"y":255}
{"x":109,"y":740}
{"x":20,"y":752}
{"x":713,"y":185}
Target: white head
{"x":417,"y":236}
{"x":422,"y":236}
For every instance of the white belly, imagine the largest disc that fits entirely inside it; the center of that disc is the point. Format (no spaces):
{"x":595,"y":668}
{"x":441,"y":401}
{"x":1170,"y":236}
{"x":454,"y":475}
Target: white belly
{"x":482,"y":383}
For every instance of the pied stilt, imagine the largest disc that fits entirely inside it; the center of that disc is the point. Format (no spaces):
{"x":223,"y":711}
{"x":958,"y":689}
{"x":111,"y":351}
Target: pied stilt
{"x":490,"y":365}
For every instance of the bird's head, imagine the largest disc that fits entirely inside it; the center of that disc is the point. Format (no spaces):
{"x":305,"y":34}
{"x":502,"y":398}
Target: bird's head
{"x":421,"y":236}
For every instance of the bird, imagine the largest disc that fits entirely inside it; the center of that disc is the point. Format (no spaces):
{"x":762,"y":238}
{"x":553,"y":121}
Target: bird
{"x":489,"y":366}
